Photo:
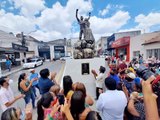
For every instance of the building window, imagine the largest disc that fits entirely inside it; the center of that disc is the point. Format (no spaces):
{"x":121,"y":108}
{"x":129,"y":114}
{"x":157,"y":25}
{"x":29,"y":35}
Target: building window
{"x":153,"y":53}
{"x":136,"y":53}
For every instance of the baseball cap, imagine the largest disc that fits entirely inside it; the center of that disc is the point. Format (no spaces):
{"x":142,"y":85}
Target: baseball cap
{"x":131,"y":75}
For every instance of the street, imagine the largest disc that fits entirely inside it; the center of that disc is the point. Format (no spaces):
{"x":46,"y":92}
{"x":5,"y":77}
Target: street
{"x":52,"y":66}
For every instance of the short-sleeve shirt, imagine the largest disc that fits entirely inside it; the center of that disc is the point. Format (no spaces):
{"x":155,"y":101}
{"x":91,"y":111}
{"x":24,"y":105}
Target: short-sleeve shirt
{"x":100,"y":80}
{"x":6,"y":95}
{"x":32,"y":76}
{"x":44,"y":85}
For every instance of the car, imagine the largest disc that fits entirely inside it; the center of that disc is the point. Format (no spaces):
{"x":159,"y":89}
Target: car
{"x":65,"y":58}
{"x":32,"y":63}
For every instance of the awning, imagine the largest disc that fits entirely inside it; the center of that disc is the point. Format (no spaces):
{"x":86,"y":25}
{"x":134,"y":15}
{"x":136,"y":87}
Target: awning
{"x":153,"y":40}
{"x":121,"y":42}
{"x":8,"y":50}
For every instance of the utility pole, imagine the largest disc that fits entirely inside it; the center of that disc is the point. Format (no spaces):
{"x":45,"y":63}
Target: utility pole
{"x":23,"y":44}
{"x":0,"y":70}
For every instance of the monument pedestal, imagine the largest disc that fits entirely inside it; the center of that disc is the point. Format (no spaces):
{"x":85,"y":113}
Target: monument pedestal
{"x":80,"y":71}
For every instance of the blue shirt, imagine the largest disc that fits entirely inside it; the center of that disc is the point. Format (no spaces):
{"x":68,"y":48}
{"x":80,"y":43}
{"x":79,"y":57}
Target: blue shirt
{"x":44,"y":85}
{"x":8,"y":62}
{"x":116,"y":78}
{"x":32,"y":76}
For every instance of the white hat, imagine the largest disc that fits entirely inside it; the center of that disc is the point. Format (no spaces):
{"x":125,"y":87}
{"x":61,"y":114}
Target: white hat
{"x":30,"y":70}
{"x":131,"y":75}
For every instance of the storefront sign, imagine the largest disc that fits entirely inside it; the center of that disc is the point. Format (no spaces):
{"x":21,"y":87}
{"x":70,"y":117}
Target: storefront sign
{"x":19,"y":47}
{"x":59,"y":48}
{"x":43,"y":48}
{"x":121,"y":42}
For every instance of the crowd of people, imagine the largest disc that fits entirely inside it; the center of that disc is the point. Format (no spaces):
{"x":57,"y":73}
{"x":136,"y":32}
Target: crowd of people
{"x":128,"y":91}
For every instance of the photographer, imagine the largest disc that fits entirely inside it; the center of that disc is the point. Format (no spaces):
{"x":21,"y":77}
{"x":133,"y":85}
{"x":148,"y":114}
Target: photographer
{"x":150,"y":85}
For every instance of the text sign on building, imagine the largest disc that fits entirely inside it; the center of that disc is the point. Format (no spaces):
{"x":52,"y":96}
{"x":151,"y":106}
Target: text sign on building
{"x":44,"y":48}
{"x":59,"y":48}
{"x":19,"y":47}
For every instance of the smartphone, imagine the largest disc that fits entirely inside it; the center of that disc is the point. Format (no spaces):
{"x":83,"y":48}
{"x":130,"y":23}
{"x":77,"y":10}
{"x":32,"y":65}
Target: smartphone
{"x":61,"y":99}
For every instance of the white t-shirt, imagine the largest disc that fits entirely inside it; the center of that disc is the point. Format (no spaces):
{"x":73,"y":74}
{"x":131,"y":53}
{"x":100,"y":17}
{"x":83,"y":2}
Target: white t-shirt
{"x":111,"y":104}
{"x":100,"y":80}
{"x":6,"y":95}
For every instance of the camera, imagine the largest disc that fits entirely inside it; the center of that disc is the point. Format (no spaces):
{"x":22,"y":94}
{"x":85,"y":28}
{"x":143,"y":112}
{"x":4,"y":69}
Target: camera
{"x":145,"y":73}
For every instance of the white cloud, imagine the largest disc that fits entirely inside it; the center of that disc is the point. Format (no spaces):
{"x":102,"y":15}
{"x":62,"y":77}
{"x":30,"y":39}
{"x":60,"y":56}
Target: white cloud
{"x":105,"y":10}
{"x":110,"y":7}
{"x":60,"y":18}
{"x":146,"y":22}
{"x":29,"y":7}
{"x":58,"y":22}
{"x":109,"y":25}
{"x":46,"y":36}
{"x":15,"y":23}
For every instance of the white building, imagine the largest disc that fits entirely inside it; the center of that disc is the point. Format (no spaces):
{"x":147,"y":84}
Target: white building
{"x":147,"y":44}
{"x":101,"y":45}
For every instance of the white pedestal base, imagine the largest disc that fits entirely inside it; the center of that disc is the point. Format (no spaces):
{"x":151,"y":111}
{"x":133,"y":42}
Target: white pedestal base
{"x":73,"y":68}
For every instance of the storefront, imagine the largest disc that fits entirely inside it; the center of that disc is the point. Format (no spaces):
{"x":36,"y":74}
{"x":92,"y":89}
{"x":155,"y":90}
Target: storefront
{"x":121,"y":47}
{"x":152,"y":48}
{"x":12,"y":54}
{"x":44,"y":51}
{"x":59,"y":51}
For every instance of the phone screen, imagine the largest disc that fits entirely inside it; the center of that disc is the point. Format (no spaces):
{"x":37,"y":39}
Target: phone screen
{"x":60,"y":99}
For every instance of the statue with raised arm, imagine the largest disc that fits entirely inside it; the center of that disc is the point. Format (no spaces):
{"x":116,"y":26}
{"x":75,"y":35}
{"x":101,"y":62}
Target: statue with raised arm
{"x":81,"y":22}
{"x":84,"y":47}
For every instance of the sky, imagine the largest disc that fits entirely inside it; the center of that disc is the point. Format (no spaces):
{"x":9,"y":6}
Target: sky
{"x":48,"y":20}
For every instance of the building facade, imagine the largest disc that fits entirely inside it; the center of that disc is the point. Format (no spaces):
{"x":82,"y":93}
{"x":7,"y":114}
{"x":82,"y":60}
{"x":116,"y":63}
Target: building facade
{"x":118,"y":35}
{"x":122,"y":48}
{"x":101,"y":45}
{"x":146,"y":44}
{"x":11,"y":47}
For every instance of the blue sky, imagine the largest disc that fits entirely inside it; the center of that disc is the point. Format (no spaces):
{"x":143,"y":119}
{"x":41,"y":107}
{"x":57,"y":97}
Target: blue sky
{"x":53,"y":19}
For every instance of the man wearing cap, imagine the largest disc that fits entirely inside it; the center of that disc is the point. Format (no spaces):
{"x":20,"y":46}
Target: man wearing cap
{"x":7,"y":98}
{"x":129,"y":83}
{"x":35,"y":83}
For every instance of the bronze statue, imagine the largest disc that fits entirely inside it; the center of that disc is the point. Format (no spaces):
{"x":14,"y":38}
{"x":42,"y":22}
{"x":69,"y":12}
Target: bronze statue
{"x":84,"y":48}
{"x":82,"y":24}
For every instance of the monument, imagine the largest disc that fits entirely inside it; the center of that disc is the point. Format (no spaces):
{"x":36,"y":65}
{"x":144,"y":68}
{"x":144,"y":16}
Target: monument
{"x":85,"y":47}
{"x":84,"y":61}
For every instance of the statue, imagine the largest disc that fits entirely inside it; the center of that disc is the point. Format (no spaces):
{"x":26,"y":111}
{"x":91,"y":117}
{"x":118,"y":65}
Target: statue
{"x":81,"y":22}
{"x":84,"y":48}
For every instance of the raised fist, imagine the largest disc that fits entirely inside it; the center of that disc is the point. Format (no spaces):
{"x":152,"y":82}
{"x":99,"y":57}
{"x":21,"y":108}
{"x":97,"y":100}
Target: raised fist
{"x":89,"y":13}
{"x":76,"y":10}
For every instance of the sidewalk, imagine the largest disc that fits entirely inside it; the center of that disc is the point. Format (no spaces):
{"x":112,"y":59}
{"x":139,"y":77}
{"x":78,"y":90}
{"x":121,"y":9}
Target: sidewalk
{"x":13,"y":70}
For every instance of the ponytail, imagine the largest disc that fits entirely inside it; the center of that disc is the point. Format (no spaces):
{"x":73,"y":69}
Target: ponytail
{"x":20,"y":79}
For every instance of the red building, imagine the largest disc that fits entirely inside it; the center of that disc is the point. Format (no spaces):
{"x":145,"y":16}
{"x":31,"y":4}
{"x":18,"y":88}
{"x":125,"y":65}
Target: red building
{"x":122,"y":46}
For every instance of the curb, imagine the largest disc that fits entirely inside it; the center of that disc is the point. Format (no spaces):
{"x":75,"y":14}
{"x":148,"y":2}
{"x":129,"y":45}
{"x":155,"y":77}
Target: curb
{"x":9,"y":73}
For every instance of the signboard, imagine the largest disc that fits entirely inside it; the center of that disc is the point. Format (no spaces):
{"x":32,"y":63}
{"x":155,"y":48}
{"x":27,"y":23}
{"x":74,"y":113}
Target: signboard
{"x":110,"y":40}
{"x":19,"y":47}
{"x":59,"y":48}
{"x":121,"y":42}
{"x":43,"y":48}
